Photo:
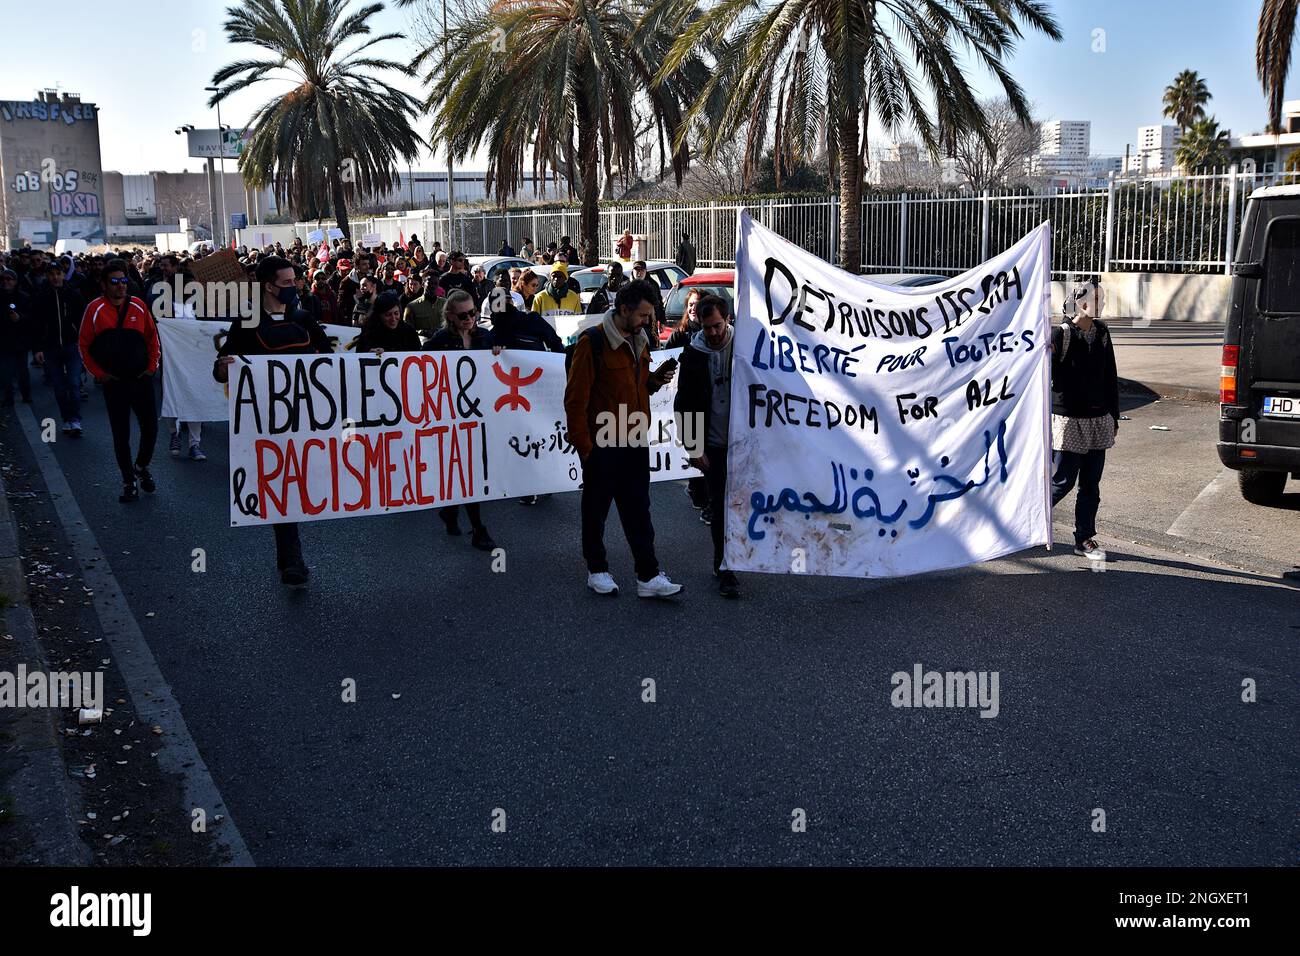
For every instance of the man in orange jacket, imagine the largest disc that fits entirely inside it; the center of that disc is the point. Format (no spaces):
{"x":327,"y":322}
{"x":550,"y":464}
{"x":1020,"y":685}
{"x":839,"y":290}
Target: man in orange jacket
{"x":119,"y":346}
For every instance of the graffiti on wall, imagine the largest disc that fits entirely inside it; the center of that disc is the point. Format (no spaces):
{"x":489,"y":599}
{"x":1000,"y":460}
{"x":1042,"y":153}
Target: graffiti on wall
{"x":70,"y":113}
{"x":68,"y":194}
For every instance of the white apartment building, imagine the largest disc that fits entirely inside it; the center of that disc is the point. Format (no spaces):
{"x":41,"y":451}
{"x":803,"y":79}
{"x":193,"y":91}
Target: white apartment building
{"x":1155,"y":149}
{"x":1063,"y":149}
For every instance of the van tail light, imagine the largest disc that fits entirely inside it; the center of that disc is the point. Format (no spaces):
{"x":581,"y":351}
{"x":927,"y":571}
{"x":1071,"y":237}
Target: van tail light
{"x":1228,"y":375}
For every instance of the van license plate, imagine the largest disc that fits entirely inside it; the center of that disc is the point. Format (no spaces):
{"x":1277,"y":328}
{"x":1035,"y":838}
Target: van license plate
{"x":1282,"y":406}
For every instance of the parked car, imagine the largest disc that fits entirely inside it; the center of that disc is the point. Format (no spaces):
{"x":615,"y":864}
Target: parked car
{"x":666,"y":274}
{"x":1259,"y":383}
{"x":717,"y":282}
{"x":494,"y":265}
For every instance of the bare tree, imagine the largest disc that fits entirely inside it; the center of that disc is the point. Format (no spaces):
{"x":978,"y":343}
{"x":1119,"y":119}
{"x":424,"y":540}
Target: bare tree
{"x":905,"y":166}
{"x":1004,"y":160}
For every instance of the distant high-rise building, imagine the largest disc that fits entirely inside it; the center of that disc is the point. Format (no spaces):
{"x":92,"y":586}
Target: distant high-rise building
{"x":1155,"y":149}
{"x":1063,"y":148}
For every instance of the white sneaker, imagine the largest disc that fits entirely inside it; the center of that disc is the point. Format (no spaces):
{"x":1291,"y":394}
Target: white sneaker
{"x":602,"y":583}
{"x":1091,"y":550}
{"x":657,"y":587}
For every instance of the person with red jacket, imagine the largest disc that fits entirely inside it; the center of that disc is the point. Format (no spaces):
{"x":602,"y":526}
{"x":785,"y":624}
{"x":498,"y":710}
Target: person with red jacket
{"x":119,"y":346}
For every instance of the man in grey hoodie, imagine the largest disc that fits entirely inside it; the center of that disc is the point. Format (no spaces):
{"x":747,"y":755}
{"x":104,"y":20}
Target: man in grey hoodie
{"x":703,"y":408}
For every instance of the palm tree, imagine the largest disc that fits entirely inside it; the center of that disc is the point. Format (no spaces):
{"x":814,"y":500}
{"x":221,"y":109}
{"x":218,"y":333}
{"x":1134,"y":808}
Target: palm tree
{"x":1273,"y":41}
{"x":559,"y":83}
{"x":340,"y":132}
{"x":1185,"y":99}
{"x":813,"y":72}
{"x":1203,"y":146}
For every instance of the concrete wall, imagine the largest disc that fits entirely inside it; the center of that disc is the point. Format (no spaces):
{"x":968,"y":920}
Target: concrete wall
{"x":1159,"y":295}
{"x":50,"y":171}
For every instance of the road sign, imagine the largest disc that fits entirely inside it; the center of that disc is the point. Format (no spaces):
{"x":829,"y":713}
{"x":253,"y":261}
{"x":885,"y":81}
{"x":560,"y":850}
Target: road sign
{"x":239,"y":220}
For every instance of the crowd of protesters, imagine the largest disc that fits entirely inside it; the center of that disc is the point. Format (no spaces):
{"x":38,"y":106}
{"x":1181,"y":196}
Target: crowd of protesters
{"x":66,"y":314}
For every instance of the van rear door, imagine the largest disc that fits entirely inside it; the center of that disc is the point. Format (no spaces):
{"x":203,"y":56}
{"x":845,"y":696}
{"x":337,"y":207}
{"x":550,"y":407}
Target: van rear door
{"x":1270,"y":334}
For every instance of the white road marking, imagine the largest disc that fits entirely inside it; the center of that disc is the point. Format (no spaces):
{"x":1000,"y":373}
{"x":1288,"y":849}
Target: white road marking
{"x":149,"y":691}
{"x":1213,"y":490}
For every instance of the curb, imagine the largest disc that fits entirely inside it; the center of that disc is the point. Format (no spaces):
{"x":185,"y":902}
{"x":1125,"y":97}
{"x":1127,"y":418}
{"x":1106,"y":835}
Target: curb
{"x":1188,"y":393}
{"x":47,"y":804}
{"x":1192,"y":548}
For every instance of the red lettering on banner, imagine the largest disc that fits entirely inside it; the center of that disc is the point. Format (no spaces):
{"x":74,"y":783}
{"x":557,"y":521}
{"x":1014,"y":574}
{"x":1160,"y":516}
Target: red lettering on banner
{"x":307,"y":507}
{"x":363,"y":479}
{"x":421,"y":466}
{"x":433,"y":391}
{"x":264,"y":476}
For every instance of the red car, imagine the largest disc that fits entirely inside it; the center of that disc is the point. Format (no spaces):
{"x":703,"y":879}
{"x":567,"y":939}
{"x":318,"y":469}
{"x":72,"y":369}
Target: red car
{"x":719,"y":282}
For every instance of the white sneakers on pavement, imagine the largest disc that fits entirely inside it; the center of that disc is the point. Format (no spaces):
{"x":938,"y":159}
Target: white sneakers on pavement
{"x":602,"y":583}
{"x":1091,"y":550}
{"x":657,"y":587}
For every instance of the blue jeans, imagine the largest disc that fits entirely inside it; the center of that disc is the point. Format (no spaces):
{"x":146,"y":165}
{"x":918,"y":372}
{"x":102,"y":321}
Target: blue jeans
{"x":1069,"y":467}
{"x":64,"y":365}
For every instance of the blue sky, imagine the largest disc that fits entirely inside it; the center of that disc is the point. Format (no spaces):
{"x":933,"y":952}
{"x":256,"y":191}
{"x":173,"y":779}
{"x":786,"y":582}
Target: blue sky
{"x":146,"y":63}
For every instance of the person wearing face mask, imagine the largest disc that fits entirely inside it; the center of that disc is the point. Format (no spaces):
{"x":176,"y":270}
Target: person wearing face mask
{"x":703,"y":411}
{"x":281,"y":329}
{"x":1085,"y":412}
{"x":384,"y":330}
{"x":120,"y":348}
{"x":610,"y":381}
{"x":462,"y":332}
{"x":365,"y":298}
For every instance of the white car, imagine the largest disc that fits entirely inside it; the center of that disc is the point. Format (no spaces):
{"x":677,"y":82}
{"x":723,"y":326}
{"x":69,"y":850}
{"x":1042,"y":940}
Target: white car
{"x":494,"y":264}
{"x":666,"y":274}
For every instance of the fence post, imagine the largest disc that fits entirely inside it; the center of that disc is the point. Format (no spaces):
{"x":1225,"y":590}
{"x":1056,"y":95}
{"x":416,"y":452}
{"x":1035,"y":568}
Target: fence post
{"x":1110,"y":224}
{"x":985,"y":222}
{"x":1230,"y":228}
{"x":713,"y":229}
{"x":902,"y":232}
{"x":834,"y":209}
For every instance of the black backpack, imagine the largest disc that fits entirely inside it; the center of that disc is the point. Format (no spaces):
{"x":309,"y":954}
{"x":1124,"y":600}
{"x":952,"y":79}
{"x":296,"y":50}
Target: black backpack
{"x":596,"y":336}
{"x":119,"y":351}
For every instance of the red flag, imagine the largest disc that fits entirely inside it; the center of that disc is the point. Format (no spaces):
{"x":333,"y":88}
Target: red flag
{"x":401,"y":239}
{"x":232,"y":242}
{"x":324,"y":254}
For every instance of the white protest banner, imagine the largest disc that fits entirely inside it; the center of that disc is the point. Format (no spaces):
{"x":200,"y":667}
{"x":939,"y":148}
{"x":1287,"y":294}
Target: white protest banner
{"x":370,"y":239}
{"x":189,"y":347}
{"x":316,"y":235}
{"x":878,"y":430}
{"x":331,"y":436}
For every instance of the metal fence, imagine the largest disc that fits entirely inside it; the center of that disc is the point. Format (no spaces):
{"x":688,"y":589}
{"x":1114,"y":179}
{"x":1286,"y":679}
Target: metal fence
{"x":1135,"y":224}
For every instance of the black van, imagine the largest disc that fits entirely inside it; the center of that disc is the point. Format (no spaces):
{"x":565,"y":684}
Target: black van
{"x":1259,"y":385}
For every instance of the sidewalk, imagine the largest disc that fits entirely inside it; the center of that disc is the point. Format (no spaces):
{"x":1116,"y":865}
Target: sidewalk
{"x":1172,"y":359}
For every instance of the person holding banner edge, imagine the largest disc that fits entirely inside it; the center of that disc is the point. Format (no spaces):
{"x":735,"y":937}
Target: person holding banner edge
{"x":1085,"y":411}
{"x":462,"y":331}
{"x":281,"y":329}
{"x":703,"y":412}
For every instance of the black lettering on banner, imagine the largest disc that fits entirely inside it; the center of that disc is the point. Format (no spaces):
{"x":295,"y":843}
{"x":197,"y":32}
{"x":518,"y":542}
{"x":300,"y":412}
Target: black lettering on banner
{"x":388,"y":364}
{"x":246,"y":394}
{"x":772,"y":267}
{"x":278,"y":383}
{"x":367,"y":393}
{"x":465,"y":406}
{"x":323,"y":423}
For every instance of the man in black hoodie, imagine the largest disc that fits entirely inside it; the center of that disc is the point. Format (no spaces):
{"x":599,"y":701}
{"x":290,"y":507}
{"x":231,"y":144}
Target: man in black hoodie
{"x":282,"y":329}
{"x":59,"y":308}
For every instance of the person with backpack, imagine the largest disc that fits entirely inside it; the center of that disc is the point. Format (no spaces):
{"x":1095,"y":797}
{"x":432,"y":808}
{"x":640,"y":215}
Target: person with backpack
{"x":281,"y":329}
{"x":120,"y":348}
{"x":608,"y":389}
{"x":1085,"y":411}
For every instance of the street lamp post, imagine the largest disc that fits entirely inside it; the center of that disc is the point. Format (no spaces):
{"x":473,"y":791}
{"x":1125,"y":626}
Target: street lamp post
{"x":212,"y":196}
{"x":221,"y":145}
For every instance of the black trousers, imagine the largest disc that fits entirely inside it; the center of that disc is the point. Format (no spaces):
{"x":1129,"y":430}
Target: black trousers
{"x":620,"y":476}
{"x":716,"y":478}
{"x":449,"y":515}
{"x":121,"y":398}
{"x":1069,"y":467}
{"x":288,"y":547}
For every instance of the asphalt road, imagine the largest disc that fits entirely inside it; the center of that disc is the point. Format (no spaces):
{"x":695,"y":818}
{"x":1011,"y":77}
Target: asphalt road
{"x":522,"y":691}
